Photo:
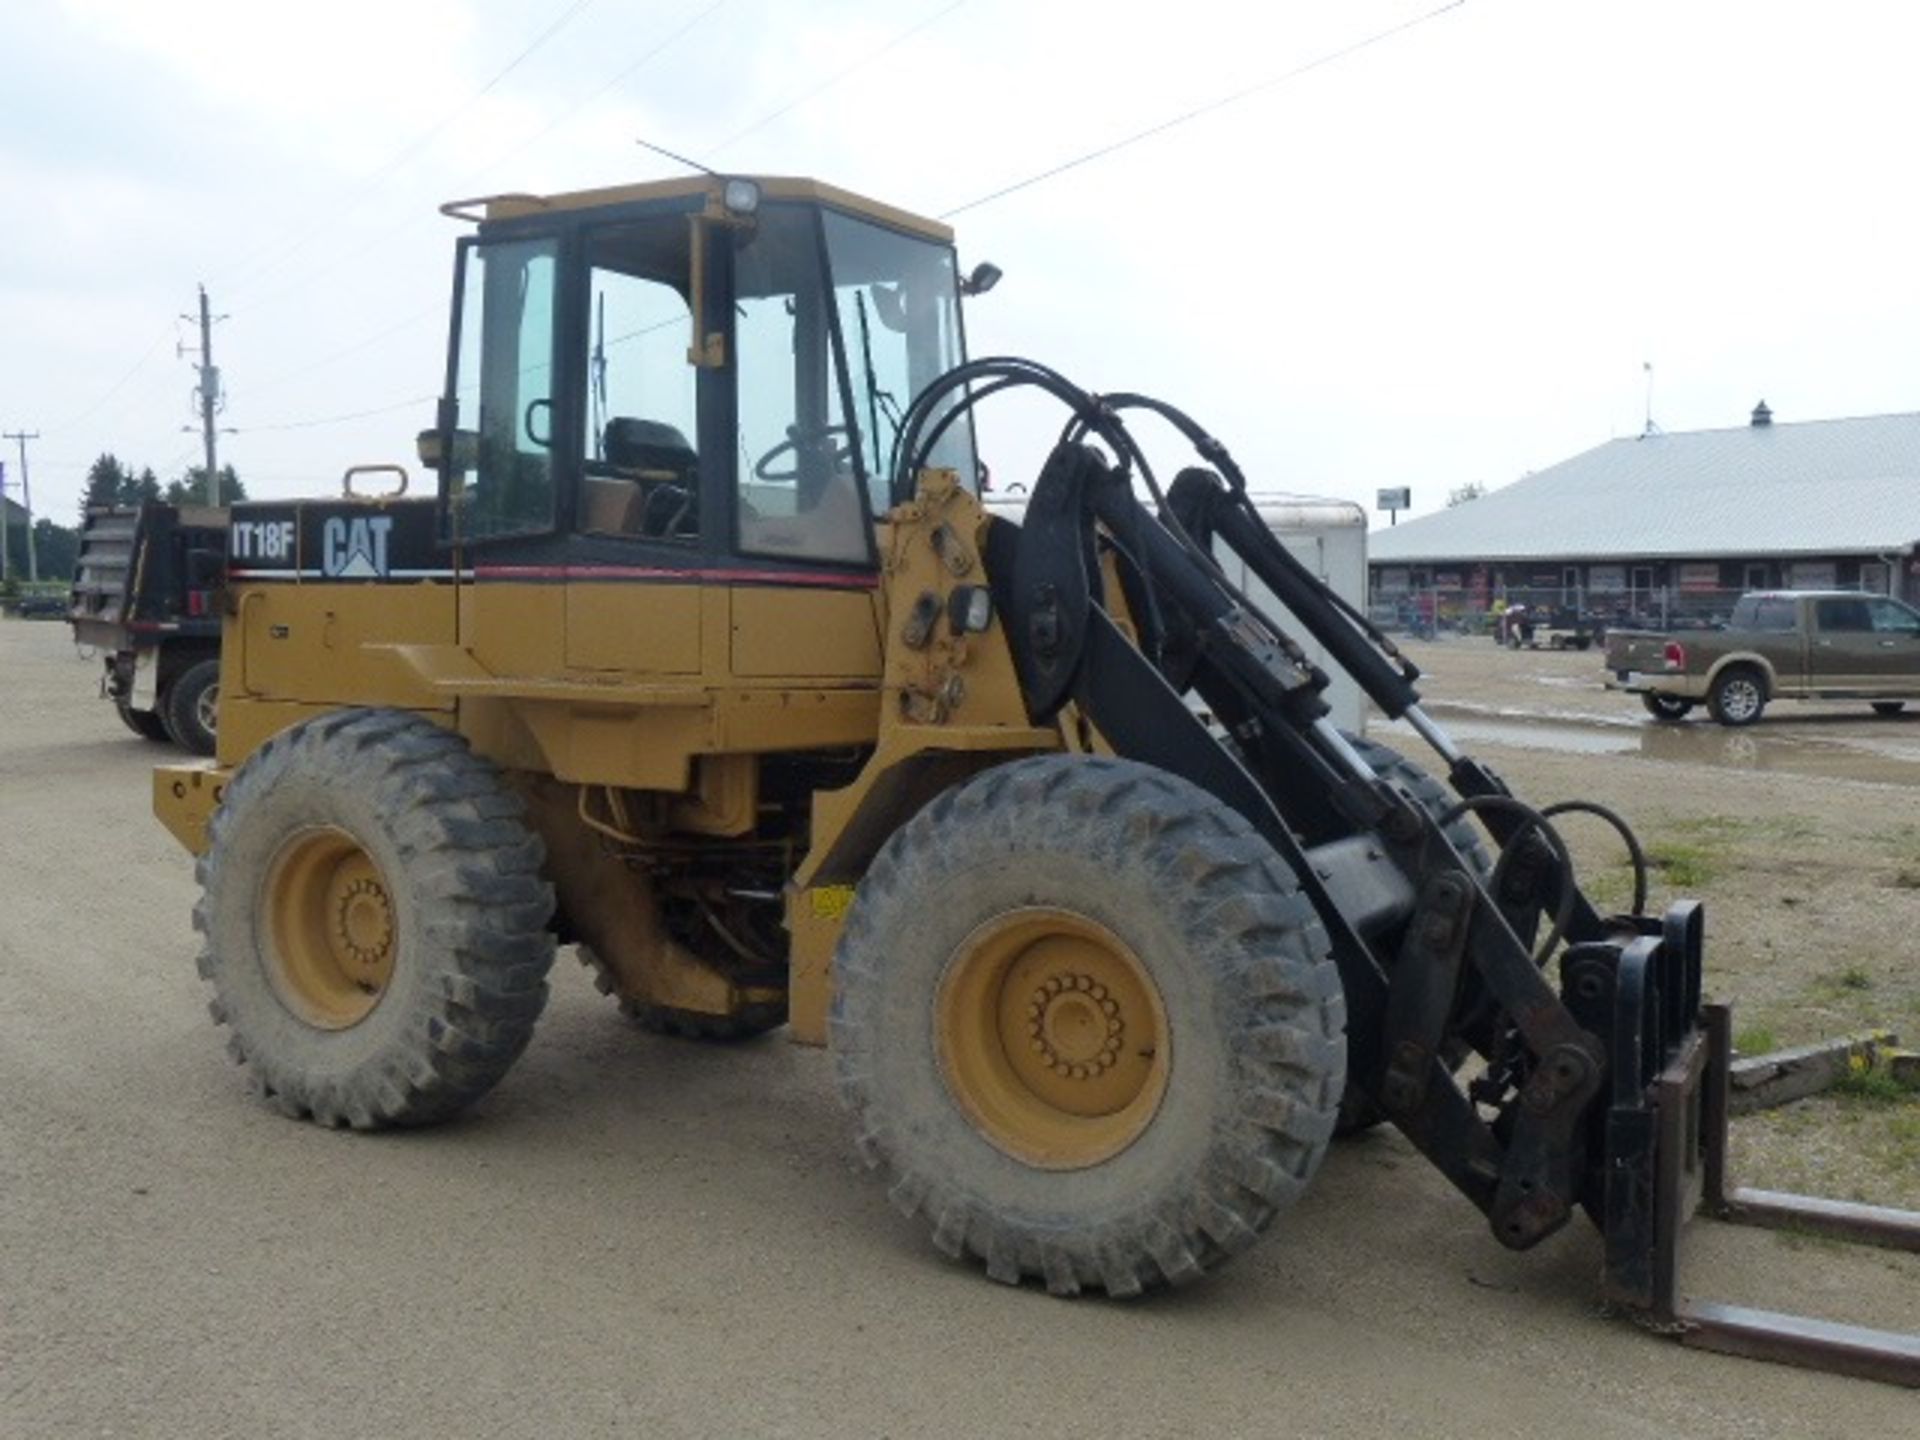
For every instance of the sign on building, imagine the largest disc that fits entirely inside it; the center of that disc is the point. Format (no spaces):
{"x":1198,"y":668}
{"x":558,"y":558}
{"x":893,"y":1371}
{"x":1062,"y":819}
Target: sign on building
{"x":1700,"y":575}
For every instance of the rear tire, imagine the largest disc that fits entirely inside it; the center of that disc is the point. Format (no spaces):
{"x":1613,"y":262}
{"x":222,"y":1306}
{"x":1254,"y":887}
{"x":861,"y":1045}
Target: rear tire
{"x":144,"y":723}
{"x":1666,"y":707}
{"x":1738,"y":696}
{"x":375,"y":921}
{"x":1165,"y":1111}
{"x":190,"y":708}
{"x":1888,"y":707}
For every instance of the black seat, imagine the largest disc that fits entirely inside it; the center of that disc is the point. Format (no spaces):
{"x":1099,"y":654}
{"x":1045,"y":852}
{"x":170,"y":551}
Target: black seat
{"x":658,"y":456}
{"x":634,"y":444}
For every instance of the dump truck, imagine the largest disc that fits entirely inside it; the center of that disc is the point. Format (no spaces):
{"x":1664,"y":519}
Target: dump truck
{"x":704,"y":657}
{"x":142,"y":597}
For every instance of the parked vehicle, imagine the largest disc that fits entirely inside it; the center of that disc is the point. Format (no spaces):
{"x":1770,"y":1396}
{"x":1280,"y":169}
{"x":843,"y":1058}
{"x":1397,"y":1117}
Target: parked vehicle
{"x":36,"y":605}
{"x":143,"y":591}
{"x":1559,"y":627}
{"x":1777,"y":645}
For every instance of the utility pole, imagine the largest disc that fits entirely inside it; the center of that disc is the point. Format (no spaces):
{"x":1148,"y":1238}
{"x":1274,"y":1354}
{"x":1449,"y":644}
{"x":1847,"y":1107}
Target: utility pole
{"x":210,"y":397}
{"x":26,"y":500}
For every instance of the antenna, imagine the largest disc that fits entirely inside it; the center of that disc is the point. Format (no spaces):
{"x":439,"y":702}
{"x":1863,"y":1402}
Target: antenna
{"x":1650,"y":428}
{"x":679,"y":159}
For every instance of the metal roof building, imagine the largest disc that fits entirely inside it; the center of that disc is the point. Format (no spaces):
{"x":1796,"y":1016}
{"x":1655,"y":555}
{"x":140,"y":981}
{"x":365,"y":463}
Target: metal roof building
{"x":1648,"y":522}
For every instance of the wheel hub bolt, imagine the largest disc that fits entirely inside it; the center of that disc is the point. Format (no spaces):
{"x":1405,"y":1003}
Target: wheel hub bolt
{"x":1074,"y":1026}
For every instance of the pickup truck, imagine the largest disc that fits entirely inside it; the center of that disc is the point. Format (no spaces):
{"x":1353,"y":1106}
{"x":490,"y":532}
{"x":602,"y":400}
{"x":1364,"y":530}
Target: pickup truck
{"x":144,"y":595}
{"x":1777,"y":645}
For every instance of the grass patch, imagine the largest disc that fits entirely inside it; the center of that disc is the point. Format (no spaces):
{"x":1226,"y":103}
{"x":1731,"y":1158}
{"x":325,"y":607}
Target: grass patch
{"x":1903,"y":1133}
{"x":1833,"y":984}
{"x":1723,"y":830}
{"x":1683,"y":865}
{"x":1877,"y":1086}
{"x":1609,"y":889}
{"x":1755,"y":1040}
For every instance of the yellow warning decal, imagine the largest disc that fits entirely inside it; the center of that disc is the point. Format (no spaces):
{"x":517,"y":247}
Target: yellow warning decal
{"x":830,"y":902}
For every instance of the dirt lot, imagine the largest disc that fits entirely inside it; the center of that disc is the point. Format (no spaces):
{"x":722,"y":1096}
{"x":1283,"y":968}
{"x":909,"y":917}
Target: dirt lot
{"x":1802,"y":834}
{"x":634,"y":1237}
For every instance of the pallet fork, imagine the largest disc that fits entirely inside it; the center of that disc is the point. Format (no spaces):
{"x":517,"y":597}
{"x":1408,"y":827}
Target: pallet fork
{"x":1667,"y":1163}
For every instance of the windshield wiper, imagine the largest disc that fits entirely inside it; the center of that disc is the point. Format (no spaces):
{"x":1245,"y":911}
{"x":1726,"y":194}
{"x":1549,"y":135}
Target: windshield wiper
{"x":877,"y":398}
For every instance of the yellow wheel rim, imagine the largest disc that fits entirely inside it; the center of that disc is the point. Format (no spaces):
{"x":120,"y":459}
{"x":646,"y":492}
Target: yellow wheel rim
{"x":331,"y":939}
{"x":1052,"y":1038}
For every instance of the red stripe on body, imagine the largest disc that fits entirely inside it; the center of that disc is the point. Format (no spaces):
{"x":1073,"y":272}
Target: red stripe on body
{"x":645,"y":572}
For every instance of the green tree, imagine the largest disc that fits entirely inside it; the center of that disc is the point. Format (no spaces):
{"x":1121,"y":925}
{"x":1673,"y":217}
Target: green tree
{"x":57,"y":546}
{"x":107,"y":480}
{"x":142,"y":490}
{"x":191,"y":488}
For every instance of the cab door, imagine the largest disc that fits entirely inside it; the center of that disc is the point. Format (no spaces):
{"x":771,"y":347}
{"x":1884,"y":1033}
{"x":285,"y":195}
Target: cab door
{"x":1845,"y":649}
{"x":1893,"y":662}
{"x":803,"y":578}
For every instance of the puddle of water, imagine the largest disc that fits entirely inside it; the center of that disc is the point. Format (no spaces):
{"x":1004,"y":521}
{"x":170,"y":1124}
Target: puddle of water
{"x":1714,"y":746}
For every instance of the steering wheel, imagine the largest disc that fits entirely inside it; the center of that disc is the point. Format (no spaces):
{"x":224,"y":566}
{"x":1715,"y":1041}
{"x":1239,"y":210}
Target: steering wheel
{"x":838,"y":454}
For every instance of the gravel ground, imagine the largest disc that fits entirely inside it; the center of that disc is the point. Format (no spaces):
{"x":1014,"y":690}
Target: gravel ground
{"x":1801,"y":834}
{"x":636,"y":1237}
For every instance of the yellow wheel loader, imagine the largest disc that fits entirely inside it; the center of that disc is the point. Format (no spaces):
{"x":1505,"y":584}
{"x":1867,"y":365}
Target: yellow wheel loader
{"x":705,"y":658}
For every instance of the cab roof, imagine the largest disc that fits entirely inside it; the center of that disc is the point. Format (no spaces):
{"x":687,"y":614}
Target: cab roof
{"x":772,"y":187}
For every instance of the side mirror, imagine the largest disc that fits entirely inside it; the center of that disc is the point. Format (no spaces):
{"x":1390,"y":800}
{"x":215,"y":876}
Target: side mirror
{"x":466,"y":450}
{"x":981,"y":279}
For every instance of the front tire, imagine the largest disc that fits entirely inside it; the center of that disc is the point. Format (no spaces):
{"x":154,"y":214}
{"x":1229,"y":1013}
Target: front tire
{"x":1669,"y":708}
{"x":1087,"y":1025}
{"x":1738,"y":697}
{"x":190,"y":709}
{"x":375,"y":921}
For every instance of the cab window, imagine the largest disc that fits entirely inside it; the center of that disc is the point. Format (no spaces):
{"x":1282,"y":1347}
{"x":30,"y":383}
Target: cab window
{"x":1844,"y":617}
{"x":641,"y":473}
{"x":1890,"y":617}
{"x":499,"y":471}
{"x":799,"y":491}
{"x":898,"y":306}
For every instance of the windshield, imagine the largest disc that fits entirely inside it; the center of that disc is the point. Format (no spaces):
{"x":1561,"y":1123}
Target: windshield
{"x":899,"y":320}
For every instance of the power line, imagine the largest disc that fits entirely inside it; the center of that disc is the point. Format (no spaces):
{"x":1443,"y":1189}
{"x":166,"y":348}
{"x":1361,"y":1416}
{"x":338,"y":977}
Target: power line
{"x":339,"y":419}
{"x":651,"y":53}
{"x":412,"y":147}
{"x":1207,"y":109}
{"x":115,"y":388}
{"x":828,"y":84}
{"x":381,"y":237}
{"x":355,"y":348}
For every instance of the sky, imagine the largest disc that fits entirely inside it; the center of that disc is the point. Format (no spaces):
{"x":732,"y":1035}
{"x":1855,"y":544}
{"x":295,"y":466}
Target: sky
{"x":1444,"y":258}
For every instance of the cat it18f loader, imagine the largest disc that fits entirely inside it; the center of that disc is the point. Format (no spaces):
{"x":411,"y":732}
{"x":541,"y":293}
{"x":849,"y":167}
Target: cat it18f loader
{"x":706,"y":658}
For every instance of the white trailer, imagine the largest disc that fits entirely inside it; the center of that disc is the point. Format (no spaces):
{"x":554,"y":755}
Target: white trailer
{"x":1328,"y":536}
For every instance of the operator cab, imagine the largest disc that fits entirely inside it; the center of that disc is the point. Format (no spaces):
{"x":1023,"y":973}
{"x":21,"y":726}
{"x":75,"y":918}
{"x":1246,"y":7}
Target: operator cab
{"x":674,"y":374}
